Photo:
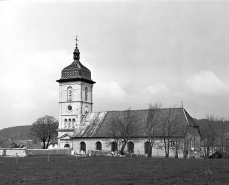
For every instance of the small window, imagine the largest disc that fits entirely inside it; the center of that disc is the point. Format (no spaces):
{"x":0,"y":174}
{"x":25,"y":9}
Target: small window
{"x":114,"y":146}
{"x":83,"y":146}
{"x":147,"y":147}
{"x":69,"y":123}
{"x":65,"y":123}
{"x":73,"y":122}
{"x":86,"y":93}
{"x":98,"y":145}
{"x":69,"y":93}
{"x":130,"y":147}
{"x":86,"y":111}
{"x":172,"y":143}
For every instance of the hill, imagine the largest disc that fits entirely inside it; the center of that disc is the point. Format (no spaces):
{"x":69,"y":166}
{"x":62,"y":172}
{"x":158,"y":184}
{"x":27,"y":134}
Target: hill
{"x":16,"y":133}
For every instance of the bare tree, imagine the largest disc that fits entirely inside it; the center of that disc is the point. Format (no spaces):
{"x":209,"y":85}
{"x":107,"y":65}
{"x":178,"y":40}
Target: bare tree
{"x":170,"y":127}
{"x":151,"y":124}
{"x":177,"y":145}
{"x":208,"y":133}
{"x":45,"y":128}
{"x":123,"y":127}
{"x":222,"y":129}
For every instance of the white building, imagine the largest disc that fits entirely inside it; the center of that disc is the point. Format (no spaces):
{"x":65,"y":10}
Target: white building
{"x":81,"y":129}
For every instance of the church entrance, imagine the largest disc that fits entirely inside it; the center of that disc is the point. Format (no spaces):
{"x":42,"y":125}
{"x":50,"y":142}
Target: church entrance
{"x":66,"y":146}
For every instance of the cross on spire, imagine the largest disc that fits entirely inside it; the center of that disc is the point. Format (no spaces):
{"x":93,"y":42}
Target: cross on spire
{"x":76,"y":39}
{"x":76,"y":53}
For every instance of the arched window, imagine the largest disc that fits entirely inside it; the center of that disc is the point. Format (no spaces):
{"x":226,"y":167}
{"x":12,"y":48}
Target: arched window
{"x":69,"y":123}
{"x":65,"y":123}
{"x":69,"y":93}
{"x":86,"y":110}
{"x":83,"y":146}
{"x":86,"y":93}
{"x":66,"y":146}
{"x":172,"y":143}
{"x":73,"y":123}
{"x":147,"y":146}
{"x":130,"y":147}
{"x":114,"y":146}
{"x":98,"y":145}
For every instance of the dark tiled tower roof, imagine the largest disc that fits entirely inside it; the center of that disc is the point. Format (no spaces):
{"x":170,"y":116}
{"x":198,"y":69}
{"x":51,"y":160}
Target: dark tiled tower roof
{"x":76,"y":71}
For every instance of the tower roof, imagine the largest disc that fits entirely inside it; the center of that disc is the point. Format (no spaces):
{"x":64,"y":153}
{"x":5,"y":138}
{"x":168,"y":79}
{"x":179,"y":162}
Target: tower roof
{"x":76,"y":71}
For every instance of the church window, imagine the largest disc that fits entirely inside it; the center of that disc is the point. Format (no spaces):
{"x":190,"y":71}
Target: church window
{"x":147,"y":147}
{"x":83,"y":146}
{"x":65,"y":123}
{"x":69,"y":93}
{"x":66,"y":146}
{"x":130,"y":147}
{"x":69,"y":123}
{"x":98,"y":145}
{"x":172,"y":143}
{"x":73,"y":122}
{"x":114,"y":146}
{"x":86,"y":93}
{"x":69,"y":108}
{"x":86,"y":110}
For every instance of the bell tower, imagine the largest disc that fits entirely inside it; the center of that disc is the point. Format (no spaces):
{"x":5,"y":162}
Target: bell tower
{"x":75,"y":98}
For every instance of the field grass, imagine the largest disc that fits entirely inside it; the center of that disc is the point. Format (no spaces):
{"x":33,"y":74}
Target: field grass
{"x":112,"y":170}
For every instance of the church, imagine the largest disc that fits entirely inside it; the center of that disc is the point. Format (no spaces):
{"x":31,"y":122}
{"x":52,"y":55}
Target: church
{"x":81,"y":129}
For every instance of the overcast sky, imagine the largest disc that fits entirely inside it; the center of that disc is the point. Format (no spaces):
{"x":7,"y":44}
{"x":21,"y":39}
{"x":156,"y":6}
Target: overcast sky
{"x":139,"y":52}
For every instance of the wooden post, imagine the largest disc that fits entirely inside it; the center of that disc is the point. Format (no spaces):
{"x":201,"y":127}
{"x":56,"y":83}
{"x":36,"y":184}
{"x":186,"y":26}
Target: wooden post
{"x":16,"y":158}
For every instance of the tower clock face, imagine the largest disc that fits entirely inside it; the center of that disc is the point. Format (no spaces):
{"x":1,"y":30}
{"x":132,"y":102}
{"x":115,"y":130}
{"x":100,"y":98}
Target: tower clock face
{"x":69,"y":108}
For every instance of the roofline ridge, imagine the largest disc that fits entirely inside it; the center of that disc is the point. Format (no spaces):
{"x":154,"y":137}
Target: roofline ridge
{"x":141,"y":109}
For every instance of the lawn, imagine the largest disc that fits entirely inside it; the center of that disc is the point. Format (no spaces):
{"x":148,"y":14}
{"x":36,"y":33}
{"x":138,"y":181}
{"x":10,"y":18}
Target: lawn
{"x":112,"y":170}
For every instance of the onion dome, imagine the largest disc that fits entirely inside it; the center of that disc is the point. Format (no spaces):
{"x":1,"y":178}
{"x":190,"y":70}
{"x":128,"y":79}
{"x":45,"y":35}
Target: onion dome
{"x":76,"y":71}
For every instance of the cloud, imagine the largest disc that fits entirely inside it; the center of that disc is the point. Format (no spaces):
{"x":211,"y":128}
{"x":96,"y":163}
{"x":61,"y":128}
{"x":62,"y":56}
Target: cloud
{"x":154,"y":89}
{"x":207,"y":83}
{"x":29,"y":87}
{"x":109,"y":90}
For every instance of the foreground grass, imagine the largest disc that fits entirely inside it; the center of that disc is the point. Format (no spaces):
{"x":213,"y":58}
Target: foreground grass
{"x":112,"y":170}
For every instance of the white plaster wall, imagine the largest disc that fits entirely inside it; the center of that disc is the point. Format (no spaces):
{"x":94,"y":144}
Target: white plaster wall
{"x":14,"y":152}
{"x":61,"y":143}
{"x":78,"y":103}
{"x":138,"y":146}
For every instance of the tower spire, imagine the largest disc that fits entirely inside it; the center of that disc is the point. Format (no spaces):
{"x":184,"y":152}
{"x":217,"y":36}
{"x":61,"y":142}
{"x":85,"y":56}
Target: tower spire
{"x":76,"y":53}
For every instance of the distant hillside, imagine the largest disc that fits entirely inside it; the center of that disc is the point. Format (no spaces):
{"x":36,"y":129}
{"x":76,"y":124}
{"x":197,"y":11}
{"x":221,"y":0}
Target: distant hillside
{"x":16,"y":133}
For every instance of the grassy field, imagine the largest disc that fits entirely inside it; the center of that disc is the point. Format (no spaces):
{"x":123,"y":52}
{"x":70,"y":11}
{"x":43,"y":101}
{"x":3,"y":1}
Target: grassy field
{"x":112,"y":170}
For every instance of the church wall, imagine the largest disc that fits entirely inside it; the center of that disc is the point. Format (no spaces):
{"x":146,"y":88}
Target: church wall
{"x":138,"y":146}
{"x":193,"y":141}
{"x":62,"y":143}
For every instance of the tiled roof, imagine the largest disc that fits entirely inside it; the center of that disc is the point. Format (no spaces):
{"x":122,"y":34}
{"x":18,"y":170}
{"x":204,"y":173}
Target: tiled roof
{"x":190,"y":119}
{"x":96,"y":124}
{"x":76,"y":70}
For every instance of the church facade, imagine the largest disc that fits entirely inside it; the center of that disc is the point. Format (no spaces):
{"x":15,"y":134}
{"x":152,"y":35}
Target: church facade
{"x":84,"y":130}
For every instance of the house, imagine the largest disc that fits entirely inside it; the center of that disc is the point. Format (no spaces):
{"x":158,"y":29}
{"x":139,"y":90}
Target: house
{"x":84,"y":130}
